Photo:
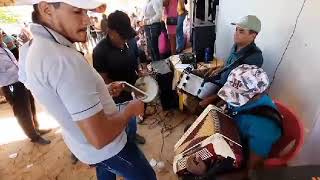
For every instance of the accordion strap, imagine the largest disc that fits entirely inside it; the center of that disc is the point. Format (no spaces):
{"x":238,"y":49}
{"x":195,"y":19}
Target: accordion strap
{"x":233,"y":65}
{"x":266,"y":112}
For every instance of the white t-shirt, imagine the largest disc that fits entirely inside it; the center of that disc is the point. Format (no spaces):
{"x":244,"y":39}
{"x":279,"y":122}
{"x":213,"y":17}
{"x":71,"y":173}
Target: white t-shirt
{"x":70,"y":89}
{"x":153,"y":11}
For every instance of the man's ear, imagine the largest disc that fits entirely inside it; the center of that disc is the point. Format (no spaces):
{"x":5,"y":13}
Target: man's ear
{"x":255,"y":35}
{"x":45,"y":10}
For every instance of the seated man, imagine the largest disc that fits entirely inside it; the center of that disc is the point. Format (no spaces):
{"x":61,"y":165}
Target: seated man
{"x":244,"y":91}
{"x":244,"y":51}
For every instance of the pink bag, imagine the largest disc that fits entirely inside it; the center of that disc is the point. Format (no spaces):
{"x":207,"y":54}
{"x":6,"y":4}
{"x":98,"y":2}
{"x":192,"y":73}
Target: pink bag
{"x":164,"y":44}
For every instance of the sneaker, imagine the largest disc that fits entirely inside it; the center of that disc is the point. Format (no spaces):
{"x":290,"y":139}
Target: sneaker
{"x":140,"y":139}
{"x":40,"y":140}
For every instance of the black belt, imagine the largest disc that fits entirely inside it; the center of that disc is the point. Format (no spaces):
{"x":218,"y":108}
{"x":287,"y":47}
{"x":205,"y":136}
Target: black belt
{"x":156,"y":23}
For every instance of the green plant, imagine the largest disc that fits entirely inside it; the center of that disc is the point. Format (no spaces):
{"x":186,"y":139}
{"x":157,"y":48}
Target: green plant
{"x":7,"y":16}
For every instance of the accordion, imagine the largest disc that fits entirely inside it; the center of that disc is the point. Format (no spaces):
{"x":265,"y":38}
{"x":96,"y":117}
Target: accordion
{"x":213,"y":137}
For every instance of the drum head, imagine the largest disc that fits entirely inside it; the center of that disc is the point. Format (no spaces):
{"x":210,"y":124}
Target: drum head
{"x":148,"y":85}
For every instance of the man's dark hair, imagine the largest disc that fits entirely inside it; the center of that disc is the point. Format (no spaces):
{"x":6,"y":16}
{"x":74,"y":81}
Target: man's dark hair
{"x":253,"y":32}
{"x":35,"y":16}
{"x":120,"y":22}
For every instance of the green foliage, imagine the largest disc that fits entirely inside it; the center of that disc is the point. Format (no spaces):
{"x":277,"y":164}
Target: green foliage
{"x":7,"y":16}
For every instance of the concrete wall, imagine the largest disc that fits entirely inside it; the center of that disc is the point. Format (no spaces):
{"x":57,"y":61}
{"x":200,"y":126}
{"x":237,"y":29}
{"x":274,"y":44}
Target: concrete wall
{"x":296,"y":82}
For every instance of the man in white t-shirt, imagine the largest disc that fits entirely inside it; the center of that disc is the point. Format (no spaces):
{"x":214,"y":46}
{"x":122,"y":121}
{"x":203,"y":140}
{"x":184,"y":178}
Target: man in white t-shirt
{"x":75,"y":94}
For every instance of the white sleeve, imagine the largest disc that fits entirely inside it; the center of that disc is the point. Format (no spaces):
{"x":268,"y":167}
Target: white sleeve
{"x":76,"y":86}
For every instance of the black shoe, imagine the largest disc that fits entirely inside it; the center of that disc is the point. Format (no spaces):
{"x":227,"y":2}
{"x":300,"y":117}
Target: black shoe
{"x":44,"y":131}
{"x":179,"y":51}
{"x":40,"y":140}
{"x":140,"y":139}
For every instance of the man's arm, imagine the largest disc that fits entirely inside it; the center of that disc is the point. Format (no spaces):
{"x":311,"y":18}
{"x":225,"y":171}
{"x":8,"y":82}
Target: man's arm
{"x":255,"y":161}
{"x":212,"y":99}
{"x":105,"y":77}
{"x":101,"y":129}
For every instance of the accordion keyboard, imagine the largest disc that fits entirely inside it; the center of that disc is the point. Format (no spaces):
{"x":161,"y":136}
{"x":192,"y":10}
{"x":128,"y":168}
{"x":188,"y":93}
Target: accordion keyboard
{"x":203,"y":154}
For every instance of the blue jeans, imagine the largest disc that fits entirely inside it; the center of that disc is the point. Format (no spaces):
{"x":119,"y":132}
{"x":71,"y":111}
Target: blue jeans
{"x":131,"y":129}
{"x":129,"y":163}
{"x":152,"y":33}
{"x":180,"y":34}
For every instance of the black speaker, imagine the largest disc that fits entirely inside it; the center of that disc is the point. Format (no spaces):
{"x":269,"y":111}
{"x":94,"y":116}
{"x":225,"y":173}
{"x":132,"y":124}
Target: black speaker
{"x":203,"y":36}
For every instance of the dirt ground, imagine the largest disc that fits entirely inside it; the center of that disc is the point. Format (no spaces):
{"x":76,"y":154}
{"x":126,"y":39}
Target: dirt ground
{"x":22,"y":160}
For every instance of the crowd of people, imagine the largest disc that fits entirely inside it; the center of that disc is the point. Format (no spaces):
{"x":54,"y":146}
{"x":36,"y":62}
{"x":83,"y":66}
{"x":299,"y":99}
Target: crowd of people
{"x":98,"y":118}
{"x":160,"y":31}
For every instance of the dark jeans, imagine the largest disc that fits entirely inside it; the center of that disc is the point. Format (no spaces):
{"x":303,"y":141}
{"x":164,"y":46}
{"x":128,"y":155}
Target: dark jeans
{"x":131,"y":129}
{"x":152,"y":33}
{"x":24,"y":109}
{"x":129,"y":163}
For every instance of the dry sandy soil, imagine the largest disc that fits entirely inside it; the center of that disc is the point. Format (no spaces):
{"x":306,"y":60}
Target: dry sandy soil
{"x":52,"y":162}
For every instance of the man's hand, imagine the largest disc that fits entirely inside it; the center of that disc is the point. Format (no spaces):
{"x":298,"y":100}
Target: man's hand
{"x":208,"y":100}
{"x":115,"y":88}
{"x":196,"y":166}
{"x":135,"y":107}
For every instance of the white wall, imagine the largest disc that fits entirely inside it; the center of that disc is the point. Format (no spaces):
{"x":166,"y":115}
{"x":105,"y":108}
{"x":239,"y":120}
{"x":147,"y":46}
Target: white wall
{"x":296,"y":83}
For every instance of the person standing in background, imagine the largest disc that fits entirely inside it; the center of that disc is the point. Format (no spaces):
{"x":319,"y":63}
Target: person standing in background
{"x":97,"y":27}
{"x":104,"y":25}
{"x":152,"y":26}
{"x":25,"y":34}
{"x":171,"y":14}
{"x":20,"y":98}
{"x":182,"y":13}
{"x":10,"y":43}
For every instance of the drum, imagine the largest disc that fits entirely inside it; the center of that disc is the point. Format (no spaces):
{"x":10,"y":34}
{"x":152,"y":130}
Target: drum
{"x":149,"y":86}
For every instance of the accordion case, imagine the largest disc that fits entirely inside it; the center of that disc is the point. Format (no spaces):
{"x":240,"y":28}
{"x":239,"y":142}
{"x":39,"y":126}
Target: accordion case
{"x":213,"y":137}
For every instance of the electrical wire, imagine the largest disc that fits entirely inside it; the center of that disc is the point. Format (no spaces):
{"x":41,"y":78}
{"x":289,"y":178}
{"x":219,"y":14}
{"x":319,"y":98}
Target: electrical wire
{"x":289,"y":41}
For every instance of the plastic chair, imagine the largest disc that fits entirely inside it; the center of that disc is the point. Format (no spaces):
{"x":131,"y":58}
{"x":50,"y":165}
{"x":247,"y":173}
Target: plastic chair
{"x":291,"y":142}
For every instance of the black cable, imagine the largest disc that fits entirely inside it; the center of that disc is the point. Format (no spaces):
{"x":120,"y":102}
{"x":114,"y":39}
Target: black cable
{"x":288,"y":43}
{"x":162,"y":145}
